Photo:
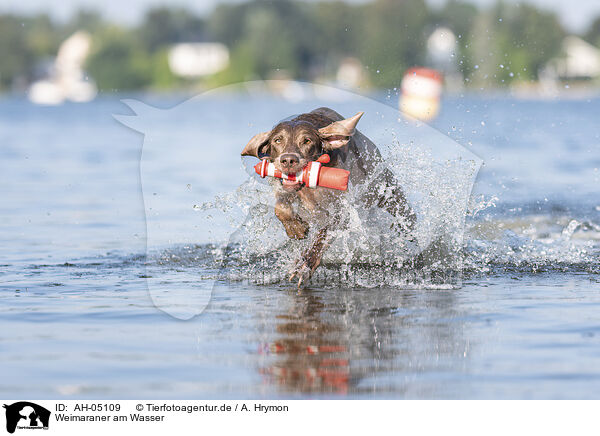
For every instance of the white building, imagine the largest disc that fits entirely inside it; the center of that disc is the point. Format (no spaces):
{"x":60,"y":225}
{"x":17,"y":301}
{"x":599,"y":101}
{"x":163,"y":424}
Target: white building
{"x":198,"y":59}
{"x":67,"y":80}
{"x":579,"y":60}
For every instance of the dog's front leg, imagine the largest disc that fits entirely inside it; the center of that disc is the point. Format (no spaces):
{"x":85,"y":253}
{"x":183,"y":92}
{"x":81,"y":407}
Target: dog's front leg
{"x":294,"y":226}
{"x":311,"y":258}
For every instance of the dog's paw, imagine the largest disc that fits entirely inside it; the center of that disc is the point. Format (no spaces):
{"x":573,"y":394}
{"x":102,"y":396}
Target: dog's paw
{"x":296,"y":229}
{"x":305,"y":267}
{"x":302,"y":273}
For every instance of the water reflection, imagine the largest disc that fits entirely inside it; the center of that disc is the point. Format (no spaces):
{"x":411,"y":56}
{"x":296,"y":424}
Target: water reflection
{"x":311,"y":350}
{"x":358,"y":341}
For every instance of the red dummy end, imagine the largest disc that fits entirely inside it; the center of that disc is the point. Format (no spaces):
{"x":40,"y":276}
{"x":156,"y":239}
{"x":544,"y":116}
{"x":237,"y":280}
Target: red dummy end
{"x":261,"y":168}
{"x":334,"y":178}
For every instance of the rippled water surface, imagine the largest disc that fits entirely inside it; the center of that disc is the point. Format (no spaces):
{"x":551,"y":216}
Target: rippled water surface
{"x":78,"y":320}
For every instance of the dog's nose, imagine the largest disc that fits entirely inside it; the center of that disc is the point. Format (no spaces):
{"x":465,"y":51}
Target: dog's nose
{"x":289,"y":160}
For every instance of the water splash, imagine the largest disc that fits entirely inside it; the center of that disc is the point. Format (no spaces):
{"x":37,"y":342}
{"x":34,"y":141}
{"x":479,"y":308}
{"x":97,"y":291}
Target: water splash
{"x":365,"y":253}
{"x":185,"y":170}
{"x":532,"y":244}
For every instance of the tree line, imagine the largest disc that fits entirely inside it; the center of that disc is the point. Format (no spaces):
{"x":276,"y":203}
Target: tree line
{"x":306,"y":40}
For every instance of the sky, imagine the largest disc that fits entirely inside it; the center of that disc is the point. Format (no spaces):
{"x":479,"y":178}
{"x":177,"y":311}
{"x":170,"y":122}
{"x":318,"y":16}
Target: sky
{"x":576,"y":15}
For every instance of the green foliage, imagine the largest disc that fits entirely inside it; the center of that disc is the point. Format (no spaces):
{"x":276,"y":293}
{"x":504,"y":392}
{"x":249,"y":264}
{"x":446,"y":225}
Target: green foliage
{"x":118,"y":63}
{"x":512,"y":42}
{"x":41,"y":36}
{"x":164,"y":26}
{"x":304,"y":40}
{"x":162,"y":77}
{"x":16,"y":56}
{"x":241,"y":68}
{"x":89,"y":20}
{"x":458,"y":16}
{"x":337,"y":29}
{"x":593,"y":33}
{"x":392,"y":39}
{"x":275,"y":35}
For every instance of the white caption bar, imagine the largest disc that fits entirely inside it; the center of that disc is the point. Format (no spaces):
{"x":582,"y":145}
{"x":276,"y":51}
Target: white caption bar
{"x":159,"y":417}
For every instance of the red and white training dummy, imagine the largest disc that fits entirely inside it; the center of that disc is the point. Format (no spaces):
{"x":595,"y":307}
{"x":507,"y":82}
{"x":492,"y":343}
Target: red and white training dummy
{"x":312,"y":175}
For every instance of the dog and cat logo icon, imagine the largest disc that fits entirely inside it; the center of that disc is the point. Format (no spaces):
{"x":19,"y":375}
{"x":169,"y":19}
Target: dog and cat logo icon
{"x":26,"y":415}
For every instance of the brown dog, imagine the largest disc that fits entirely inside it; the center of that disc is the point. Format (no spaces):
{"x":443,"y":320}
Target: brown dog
{"x":291,"y":145}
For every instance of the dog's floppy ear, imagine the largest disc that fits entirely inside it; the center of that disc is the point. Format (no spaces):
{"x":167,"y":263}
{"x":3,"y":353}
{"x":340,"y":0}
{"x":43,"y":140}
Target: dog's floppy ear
{"x":256,"y":146}
{"x":338,"y":133}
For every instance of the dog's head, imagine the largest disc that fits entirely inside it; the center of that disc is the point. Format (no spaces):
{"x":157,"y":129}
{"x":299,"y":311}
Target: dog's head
{"x":291,"y":145}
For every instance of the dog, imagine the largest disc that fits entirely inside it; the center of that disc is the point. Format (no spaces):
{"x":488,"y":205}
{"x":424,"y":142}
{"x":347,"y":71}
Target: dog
{"x":291,"y":145}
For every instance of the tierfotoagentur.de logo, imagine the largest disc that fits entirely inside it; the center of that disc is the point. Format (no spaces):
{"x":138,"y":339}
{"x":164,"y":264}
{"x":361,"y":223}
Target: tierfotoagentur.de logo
{"x":26,"y":415}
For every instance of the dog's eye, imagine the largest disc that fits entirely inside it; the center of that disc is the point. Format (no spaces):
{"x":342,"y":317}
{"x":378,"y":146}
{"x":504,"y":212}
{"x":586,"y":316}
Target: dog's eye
{"x":277,"y":141}
{"x":306,"y":141}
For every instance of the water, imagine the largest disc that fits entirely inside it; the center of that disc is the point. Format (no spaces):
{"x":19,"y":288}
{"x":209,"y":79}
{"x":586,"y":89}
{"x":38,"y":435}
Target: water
{"x":79,"y":320}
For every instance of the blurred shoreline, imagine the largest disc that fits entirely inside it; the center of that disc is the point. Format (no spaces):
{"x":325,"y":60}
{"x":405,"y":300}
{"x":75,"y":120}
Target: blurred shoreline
{"x":522,"y":49}
{"x":167,"y":98}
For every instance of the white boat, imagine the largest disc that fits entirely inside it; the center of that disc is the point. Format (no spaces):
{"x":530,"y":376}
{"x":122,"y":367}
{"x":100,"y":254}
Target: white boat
{"x":67,"y":80}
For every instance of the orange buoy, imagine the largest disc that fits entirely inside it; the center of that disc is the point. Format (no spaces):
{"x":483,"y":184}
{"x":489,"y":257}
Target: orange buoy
{"x":421,"y":93}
